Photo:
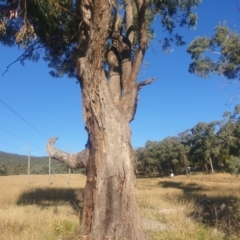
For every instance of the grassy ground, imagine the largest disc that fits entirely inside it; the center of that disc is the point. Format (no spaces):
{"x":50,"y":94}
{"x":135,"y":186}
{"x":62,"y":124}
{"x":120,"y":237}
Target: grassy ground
{"x":172,"y":201}
{"x":39,"y":211}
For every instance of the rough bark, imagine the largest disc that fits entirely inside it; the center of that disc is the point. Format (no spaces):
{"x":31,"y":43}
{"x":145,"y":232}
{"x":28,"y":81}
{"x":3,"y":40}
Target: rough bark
{"x":110,"y":174}
{"x":109,"y":104}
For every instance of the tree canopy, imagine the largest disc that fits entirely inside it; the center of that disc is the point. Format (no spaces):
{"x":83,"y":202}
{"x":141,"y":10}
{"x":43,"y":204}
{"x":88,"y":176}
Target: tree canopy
{"x":219,"y":54}
{"x":51,"y":29}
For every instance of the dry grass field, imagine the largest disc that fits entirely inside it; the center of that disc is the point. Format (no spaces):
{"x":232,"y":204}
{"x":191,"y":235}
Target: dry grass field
{"x":39,"y":211}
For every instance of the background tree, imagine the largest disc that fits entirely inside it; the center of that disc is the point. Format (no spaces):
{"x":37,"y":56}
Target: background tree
{"x":203,"y":144}
{"x":234,"y":165}
{"x":102,"y":43}
{"x":218,"y":140}
{"x":3,"y":170}
{"x":140,"y":161}
{"x":219,"y":54}
{"x":166,"y":156}
{"x":182,"y":152}
{"x":155,"y":157}
{"x":225,"y":137}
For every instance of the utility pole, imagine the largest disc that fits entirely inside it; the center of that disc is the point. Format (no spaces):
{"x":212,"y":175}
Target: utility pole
{"x":49,"y":171}
{"x":29,"y":159}
{"x":69,"y":169}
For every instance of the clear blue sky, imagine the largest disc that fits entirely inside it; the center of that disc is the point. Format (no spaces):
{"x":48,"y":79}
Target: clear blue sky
{"x":175,"y":102}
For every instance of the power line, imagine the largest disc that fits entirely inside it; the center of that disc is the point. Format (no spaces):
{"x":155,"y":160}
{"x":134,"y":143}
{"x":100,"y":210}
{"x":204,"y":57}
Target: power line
{"x":29,"y":124}
{"x":18,"y":148}
{"x":9,"y":144}
{"x":16,"y":136}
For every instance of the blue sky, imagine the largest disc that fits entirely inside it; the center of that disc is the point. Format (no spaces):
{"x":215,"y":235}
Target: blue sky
{"x":173,"y":103}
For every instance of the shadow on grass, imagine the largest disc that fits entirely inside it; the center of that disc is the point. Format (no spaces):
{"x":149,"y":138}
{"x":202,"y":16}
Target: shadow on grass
{"x":213,"y":207}
{"x":196,"y":192}
{"x":53,"y":197}
{"x":189,"y":187}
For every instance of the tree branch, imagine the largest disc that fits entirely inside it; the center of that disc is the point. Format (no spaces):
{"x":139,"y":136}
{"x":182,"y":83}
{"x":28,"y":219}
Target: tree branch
{"x":74,"y":161}
{"x":127,"y":44}
{"x":83,"y":11}
{"x":31,"y":46}
{"x":131,"y":87}
{"x":114,"y":74}
{"x":146,"y":82}
{"x":142,"y":35}
{"x":74,"y":15}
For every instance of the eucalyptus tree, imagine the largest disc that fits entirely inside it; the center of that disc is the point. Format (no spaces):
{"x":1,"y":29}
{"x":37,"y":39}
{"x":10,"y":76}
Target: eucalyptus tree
{"x":228,"y":138}
{"x":166,"y":155}
{"x":3,"y":169}
{"x":234,"y":165}
{"x":219,"y":54}
{"x":228,"y":134}
{"x":158,"y":156}
{"x":102,"y":44}
{"x":140,"y":161}
{"x":203,"y":143}
{"x":174,"y":153}
{"x":181,"y":155}
{"x":225,"y":136}
{"x":233,"y":135}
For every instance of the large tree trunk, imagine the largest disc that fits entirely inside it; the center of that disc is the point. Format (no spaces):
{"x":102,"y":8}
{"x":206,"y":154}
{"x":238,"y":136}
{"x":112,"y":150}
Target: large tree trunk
{"x":109,"y":104}
{"x":110,"y":210}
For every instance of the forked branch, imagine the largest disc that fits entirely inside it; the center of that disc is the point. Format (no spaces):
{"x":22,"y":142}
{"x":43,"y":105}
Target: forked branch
{"x":74,"y":161}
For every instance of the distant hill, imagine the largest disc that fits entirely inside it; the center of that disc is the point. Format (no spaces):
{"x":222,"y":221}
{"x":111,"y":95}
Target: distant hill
{"x":14,"y":164}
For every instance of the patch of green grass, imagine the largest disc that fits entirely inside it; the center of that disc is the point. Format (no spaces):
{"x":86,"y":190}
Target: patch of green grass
{"x":66,"y":230}
{"x":200,"y":233}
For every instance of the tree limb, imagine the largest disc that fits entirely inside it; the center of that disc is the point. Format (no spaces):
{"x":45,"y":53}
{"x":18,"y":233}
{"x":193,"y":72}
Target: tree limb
{"x":127,"y":44}
{"x":31,"y":46}
{"x":114,"y":74}
{"x":131,"y":87}
{"x":142,"y":35}
{"x":56,"y":4}
{"x":146,"y":82}
{"x":74,"y":161}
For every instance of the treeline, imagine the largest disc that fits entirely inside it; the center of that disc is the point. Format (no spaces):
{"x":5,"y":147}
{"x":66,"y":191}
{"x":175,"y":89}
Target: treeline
{"x":14,"y":164}
{"x":206,"y":147}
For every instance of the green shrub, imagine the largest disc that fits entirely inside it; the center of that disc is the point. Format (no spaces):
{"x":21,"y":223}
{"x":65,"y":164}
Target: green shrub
{"x":234,"y":165}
